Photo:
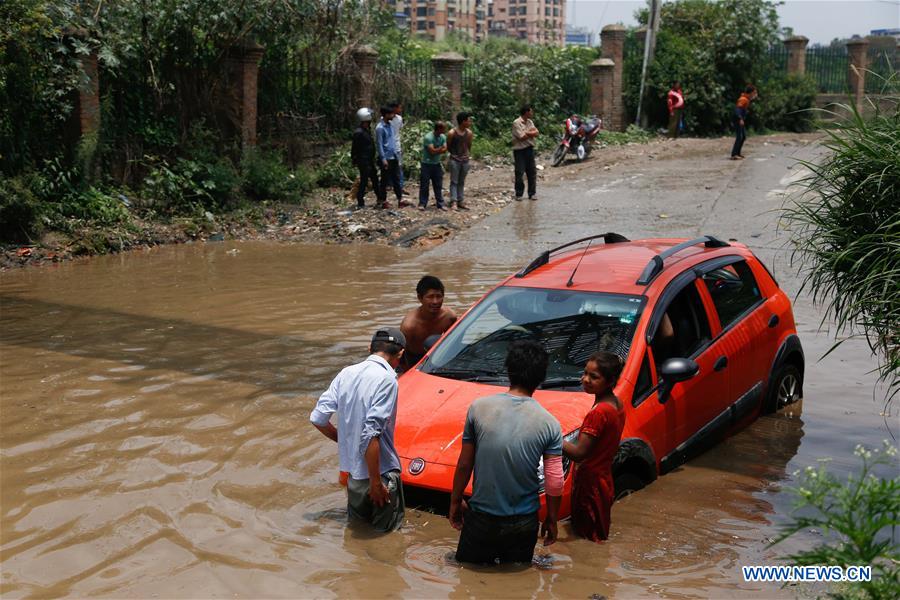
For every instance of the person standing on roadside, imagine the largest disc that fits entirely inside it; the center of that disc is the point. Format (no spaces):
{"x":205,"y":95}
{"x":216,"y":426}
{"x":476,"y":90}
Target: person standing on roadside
{"x":741,"y":112}
{"x":596,"y":447}
{"x":434,"y":145}
{"x":459,"y":143}
{"x":523,"y":133}
{"x":387,"y":158}
{"x":397,"y":126}
{"x":505,"y":437}
{"x":364,"y":396}
{"x":675,"y":104}
{"x":362,"y":153}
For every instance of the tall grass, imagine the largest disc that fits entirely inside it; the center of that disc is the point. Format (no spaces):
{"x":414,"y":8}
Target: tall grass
{"x":846,"y":232}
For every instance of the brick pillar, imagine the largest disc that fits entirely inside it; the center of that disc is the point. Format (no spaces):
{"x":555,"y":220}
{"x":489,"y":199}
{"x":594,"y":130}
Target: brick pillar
{"x":601,"y":88}
{"x":796,"y":49}
{"x":449,"y":67}
{"x":612,"y":44}
{"x":856,"y":73}
{"x":364,"y":57}
{"x":86,"y":98}
{"x":641,"y":34}
{"x":242,"y":66}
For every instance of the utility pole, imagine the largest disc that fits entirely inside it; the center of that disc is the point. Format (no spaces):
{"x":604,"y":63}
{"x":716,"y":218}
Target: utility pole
{"x":649,"y":48}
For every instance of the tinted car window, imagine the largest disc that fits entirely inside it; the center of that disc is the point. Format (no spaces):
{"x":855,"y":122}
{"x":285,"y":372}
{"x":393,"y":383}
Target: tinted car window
{"x":683,"y":329}
{"x":733,"y":290}
{"x":570,"y":325}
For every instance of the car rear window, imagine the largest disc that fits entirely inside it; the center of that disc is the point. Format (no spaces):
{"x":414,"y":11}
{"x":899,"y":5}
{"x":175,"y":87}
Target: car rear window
{"x":570,"y":325}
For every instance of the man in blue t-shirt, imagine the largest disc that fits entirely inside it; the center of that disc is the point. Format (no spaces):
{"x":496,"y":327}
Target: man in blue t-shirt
{"x":504,"y":440}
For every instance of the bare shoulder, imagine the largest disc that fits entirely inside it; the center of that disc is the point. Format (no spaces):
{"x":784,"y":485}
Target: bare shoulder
{"x":409,"y":321}
{"x":449,"y":317}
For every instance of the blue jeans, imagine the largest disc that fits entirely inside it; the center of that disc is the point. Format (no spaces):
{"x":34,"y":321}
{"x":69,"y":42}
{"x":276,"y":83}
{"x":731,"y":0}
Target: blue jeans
{"x":435,"y":175}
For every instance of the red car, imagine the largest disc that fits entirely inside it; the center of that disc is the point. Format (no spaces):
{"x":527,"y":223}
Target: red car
{"x":707,"y":334}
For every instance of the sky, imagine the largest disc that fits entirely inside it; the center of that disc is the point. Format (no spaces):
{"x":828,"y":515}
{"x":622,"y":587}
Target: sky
{"x":819,"y":20}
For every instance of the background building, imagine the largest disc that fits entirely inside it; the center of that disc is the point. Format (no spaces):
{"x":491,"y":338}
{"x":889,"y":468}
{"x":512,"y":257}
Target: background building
{"x":434,"y":19}
{"x":535,"y":21}
{"x":579,"y":36}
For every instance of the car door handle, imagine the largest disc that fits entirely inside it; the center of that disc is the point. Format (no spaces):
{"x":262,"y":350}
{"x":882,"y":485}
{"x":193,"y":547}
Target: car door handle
{"x":773,"y":321}
{"x":721,"y":363}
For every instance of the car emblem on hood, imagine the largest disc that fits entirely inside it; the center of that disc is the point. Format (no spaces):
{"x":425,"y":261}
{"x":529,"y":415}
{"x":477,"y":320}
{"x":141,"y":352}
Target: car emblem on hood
{"x":416,"y":466}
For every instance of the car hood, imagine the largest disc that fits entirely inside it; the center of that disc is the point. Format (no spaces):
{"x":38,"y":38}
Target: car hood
{"x":431,"y":413}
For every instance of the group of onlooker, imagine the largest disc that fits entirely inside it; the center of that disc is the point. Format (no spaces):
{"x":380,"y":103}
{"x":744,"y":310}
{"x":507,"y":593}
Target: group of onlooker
{"x":675,"y":103}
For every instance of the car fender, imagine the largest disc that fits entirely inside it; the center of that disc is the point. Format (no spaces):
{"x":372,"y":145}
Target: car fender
{"x":790,"y":345}
{"x":633,"y":452}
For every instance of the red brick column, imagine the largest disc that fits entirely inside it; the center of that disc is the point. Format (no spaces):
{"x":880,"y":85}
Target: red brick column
{"x":796,"y":49}
{"x":856,"y":73}
{"x":242,"y":66}
{"x":601,"y":88}
{"x":612,"y":46}
{"x":449,"y":67}
{"x":365,"y":57}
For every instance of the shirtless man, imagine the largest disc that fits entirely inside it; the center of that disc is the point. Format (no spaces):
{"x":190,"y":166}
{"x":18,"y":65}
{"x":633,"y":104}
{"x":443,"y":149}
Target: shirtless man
{"x":426,"y":320}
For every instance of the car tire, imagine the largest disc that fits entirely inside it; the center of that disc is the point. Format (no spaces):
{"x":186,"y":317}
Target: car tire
{"x":787,"y":382}
{"x":626,"y":484}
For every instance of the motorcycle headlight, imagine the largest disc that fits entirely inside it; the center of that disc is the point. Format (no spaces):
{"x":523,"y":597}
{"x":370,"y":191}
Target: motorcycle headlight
{"x":566,"y":463}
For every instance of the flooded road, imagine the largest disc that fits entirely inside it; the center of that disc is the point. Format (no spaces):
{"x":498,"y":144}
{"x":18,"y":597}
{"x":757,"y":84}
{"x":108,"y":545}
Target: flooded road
{"x":155,"y":440}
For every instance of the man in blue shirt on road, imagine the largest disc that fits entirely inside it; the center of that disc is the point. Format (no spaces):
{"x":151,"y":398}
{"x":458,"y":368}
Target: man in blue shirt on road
{"x":388,"y":159}
{"x":364,"y":396}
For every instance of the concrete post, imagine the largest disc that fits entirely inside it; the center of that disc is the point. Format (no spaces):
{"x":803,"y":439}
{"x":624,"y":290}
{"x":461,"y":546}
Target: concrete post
{"x":364,"y":57}
{"x":449,"y":67}
{"x":601,"y":87}
{"x":857,"y":51}
{"x":242,"y":66}
{"x":86,"y":116}
{"x":796,"y":49}
{"x":612,"y":45}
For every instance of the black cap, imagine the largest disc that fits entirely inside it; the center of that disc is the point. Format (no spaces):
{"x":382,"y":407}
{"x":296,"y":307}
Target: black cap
{"x":390,"y":334}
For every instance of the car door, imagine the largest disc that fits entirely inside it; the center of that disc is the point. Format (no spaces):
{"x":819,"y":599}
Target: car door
{"x":680,"y":328}
{"x":741,"y":330}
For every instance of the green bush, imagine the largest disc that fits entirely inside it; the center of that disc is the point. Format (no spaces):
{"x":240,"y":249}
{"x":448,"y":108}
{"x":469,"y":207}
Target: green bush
{"x":191,"y":185}
{"x":858,"y":521}
{"x":20,"y":211}
{"x":265,"y":176}
{"x":785,"y":104}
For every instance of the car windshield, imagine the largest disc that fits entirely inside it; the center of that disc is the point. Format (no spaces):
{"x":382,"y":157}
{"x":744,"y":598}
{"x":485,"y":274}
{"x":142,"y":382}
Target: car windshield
{"x":570,"y":325}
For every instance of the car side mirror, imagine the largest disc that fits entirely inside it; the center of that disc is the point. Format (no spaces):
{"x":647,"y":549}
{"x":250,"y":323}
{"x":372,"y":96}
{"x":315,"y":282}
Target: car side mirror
{"x":675,"y":370}
{"x":430,"y":341}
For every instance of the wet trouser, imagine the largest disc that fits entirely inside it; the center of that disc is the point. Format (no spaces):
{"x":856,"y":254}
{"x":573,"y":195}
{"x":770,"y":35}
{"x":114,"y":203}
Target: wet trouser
{"x":433,"y":174}
{"x":675,"y":122}
{"x":458,"y":172}
{"x":360,"y":506}
{"x":740,"y":134}
{"x":390,"y":175}
{"x":367,"y":173}
{"x":491,"y":539}
{"x":524,"y":159}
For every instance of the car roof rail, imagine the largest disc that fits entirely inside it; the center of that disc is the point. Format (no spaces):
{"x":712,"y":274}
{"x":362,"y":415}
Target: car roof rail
{"x":544,"y":257}
{"x":655,"y":265}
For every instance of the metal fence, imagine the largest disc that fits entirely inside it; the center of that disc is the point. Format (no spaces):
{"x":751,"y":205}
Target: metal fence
{"x":828,"y":66}
{"x":882,"y":67}
{"x":778,"y":58}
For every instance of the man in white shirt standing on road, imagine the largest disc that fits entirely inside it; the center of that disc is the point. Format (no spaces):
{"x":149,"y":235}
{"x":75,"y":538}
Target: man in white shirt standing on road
{"x":397,"y":125}
{"x":364,"y":396}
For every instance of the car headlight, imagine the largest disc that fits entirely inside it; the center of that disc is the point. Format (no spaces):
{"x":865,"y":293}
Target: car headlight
{"x":566,"y":463}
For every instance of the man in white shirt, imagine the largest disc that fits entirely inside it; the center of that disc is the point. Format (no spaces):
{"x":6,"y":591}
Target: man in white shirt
{"x":364,"y":396}
{"x":397,"y":125}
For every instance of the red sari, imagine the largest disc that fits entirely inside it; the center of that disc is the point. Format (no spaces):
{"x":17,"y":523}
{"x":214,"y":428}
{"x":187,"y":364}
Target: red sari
{"x":594,"y":492}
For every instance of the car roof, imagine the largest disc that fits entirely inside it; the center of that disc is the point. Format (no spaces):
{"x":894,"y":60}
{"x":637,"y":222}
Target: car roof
{"x":616,"y":267}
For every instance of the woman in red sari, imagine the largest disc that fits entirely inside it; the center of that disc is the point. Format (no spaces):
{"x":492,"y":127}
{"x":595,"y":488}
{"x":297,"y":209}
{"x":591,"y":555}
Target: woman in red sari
{"x":595,"y":448}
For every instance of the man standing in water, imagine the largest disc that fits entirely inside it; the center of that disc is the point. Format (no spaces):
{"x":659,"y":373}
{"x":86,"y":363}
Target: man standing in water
{"x":428,"y":319}
{"x":504,"y":439}
{"x":364,"y":396}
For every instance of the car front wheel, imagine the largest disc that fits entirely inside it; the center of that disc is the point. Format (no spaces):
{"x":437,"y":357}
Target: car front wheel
{"x":627,"y":483}
{"x":785,"y":389}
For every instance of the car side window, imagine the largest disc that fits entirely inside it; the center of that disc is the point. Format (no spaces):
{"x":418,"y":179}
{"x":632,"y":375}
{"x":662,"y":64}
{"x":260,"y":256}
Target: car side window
{"x":644,"y":382}
{"x":733,"y":290}
{"x":684,"y":327}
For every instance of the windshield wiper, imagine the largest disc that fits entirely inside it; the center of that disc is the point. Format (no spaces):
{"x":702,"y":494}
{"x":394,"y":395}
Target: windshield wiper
{"x":479,"y":375}
{"x":562,"y":382}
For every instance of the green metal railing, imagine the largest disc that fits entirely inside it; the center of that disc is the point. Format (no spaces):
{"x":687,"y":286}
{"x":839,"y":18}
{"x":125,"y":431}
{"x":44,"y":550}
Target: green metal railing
{"x":882,"y":70}
{"x":828,"y":66}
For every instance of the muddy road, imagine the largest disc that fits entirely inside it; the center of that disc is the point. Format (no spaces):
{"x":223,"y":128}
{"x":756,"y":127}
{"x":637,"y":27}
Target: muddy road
{"x":155,"y":440}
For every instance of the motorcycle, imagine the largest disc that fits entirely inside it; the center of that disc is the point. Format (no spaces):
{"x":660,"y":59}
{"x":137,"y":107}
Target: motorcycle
{"x":579,"y":142}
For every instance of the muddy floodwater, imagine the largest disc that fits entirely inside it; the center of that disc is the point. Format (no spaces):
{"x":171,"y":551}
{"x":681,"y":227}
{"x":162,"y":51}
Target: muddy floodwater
{"x":155,"y":443}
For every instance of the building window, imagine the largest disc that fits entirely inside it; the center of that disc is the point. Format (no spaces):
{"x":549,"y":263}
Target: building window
{"x":421,"y":11}
{"x":555,"y":12}
{"x":431,"y":12}
{"x":420,"y":26}
{"x":451,"y":12}
{"x":430,"y":24}
{"x":547,"y":11}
